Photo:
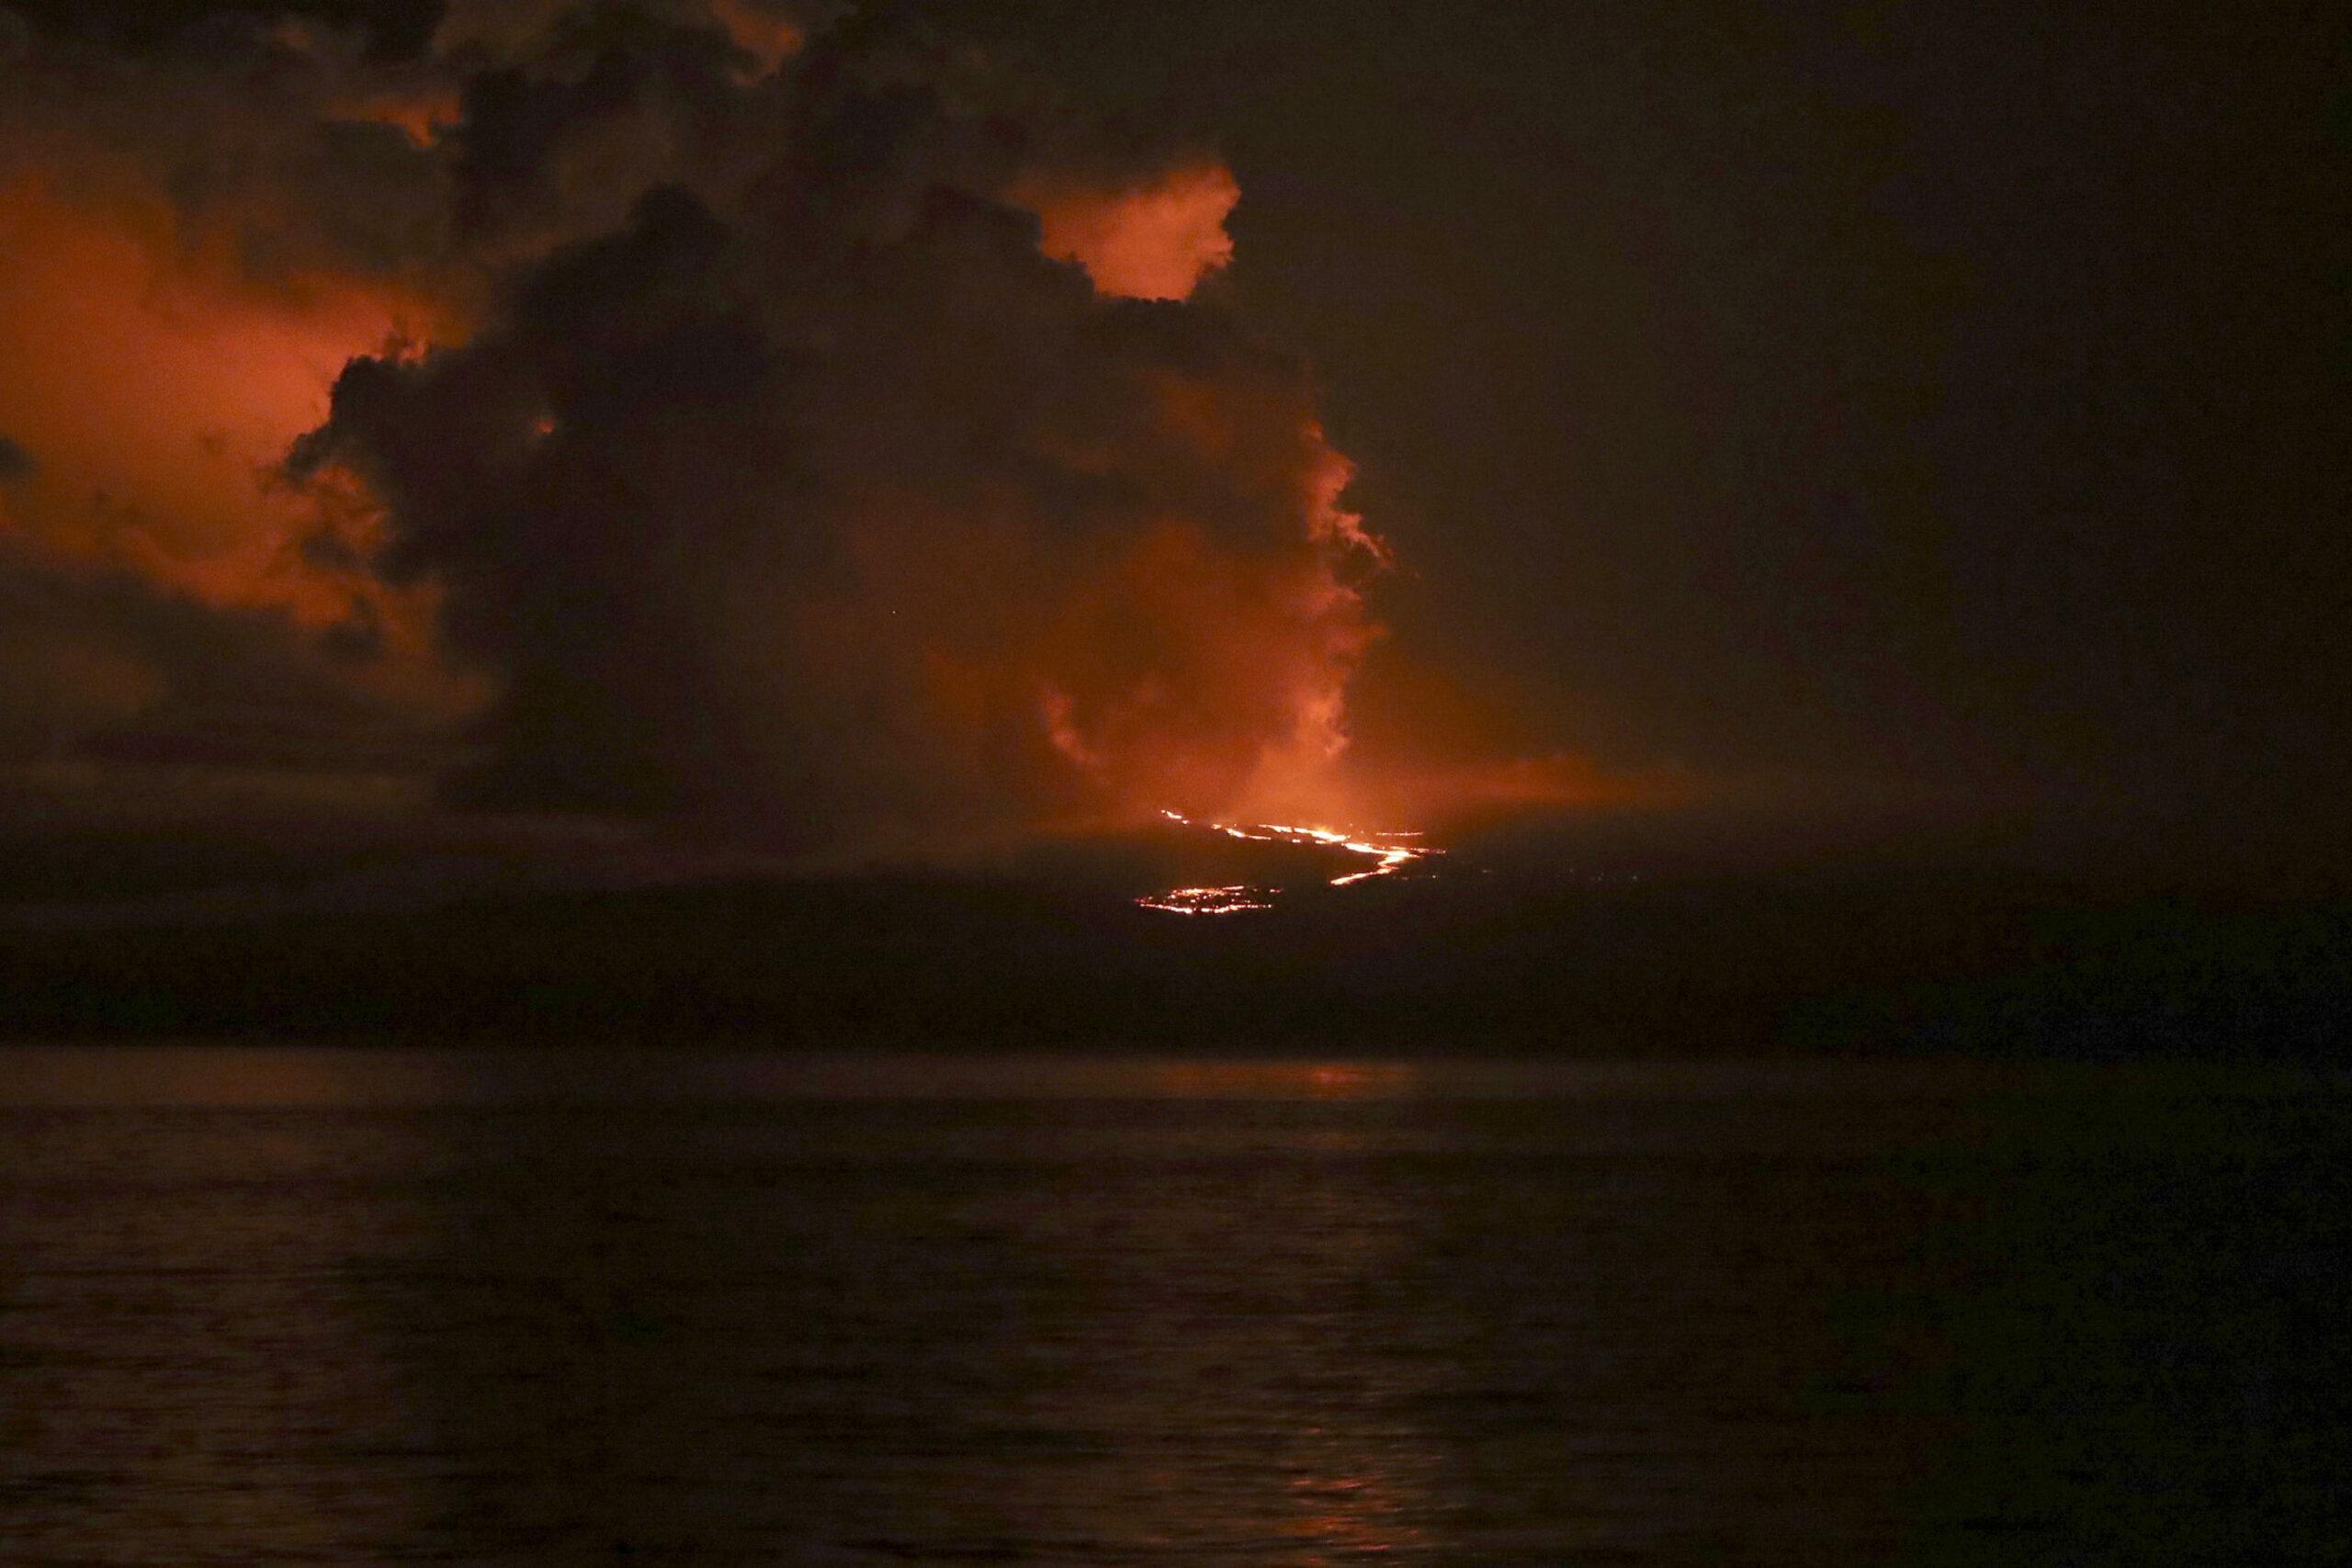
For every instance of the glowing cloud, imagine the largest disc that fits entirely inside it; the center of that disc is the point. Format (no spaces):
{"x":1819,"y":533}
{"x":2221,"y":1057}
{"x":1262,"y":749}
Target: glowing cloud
{"x":767,"y":38}
{"x":162,"y":397}
{"x":1152,"y":240}
{"x":731,"y":433}
{"x":423,"y":115}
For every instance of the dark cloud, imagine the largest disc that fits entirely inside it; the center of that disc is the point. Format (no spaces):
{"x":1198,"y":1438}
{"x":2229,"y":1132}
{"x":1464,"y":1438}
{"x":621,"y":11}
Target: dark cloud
{"x":279,"y":147}
{"x":827,"y":509}
{"x":286,"y":146}
{"x":764,"y":467}
{"x":15,"y":463}
{"x":101,"y":668}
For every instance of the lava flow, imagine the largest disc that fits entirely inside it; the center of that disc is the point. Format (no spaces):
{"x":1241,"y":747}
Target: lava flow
{"x":1230,"y":900}
{"x":1388,"y":857}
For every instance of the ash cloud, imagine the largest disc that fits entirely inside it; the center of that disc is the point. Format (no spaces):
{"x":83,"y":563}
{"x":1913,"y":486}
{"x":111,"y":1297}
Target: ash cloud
{"x":15,"y":463}
{"x":764,"y":416}
{"x":815,"y":495}
{"x":758,"y":415}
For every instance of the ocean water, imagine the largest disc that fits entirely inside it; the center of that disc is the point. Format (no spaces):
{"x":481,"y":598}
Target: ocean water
{"x":290,"y":1306}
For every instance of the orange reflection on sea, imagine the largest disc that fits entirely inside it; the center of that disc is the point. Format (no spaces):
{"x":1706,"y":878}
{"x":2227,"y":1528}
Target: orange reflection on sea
{"x":1348,"y":1514}
{"x":1286,"y":1081}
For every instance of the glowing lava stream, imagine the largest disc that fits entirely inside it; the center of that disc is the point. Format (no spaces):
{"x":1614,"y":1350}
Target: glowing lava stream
{"x":1386,"y":855}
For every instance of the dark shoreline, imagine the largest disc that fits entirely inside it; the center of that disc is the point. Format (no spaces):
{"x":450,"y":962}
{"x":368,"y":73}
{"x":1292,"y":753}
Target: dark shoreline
{"x":1756,"y":967}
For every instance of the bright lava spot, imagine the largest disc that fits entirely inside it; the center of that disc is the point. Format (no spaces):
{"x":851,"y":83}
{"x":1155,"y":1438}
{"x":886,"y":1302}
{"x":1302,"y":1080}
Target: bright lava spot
{"x":1231,"y":901}
{"x":1387,"y":854}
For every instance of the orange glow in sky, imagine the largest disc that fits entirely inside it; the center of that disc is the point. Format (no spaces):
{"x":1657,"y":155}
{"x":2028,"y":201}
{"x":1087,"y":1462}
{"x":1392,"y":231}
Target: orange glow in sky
{"x":423,"y":115}
{"x":1149,"y":242}
{"x":157,"y":386}
{"x":157,"y":393}
{"x":770,"y":40}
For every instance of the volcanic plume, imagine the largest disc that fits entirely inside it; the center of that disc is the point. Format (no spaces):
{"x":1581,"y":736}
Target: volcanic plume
{"x":810,"y":429}
{"x":816,"y":491}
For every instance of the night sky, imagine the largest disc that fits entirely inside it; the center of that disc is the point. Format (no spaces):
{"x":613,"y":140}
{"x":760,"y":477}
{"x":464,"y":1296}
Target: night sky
{"x":1903,"y":428}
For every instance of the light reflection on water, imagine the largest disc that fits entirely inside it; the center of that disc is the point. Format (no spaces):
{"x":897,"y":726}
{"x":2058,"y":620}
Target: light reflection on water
{"x":279,"y":1076}
{"x":366,"y":1306}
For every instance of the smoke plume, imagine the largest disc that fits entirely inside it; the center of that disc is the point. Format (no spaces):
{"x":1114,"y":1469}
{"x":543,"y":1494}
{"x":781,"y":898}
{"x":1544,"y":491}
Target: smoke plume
{"x":737,"y":413}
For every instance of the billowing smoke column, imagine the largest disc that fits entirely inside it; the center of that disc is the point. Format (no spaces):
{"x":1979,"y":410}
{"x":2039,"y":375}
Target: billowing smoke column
{"x":816,"y":490}
{"x":805,"y":428}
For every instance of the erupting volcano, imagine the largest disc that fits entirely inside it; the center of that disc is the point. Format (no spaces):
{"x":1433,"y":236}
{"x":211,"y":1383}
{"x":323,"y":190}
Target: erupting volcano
{"x":1388,"y":854}
{"x":835,"y":471}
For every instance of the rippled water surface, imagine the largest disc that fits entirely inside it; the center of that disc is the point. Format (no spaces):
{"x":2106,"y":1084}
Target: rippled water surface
{"x":291,"y":1307}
